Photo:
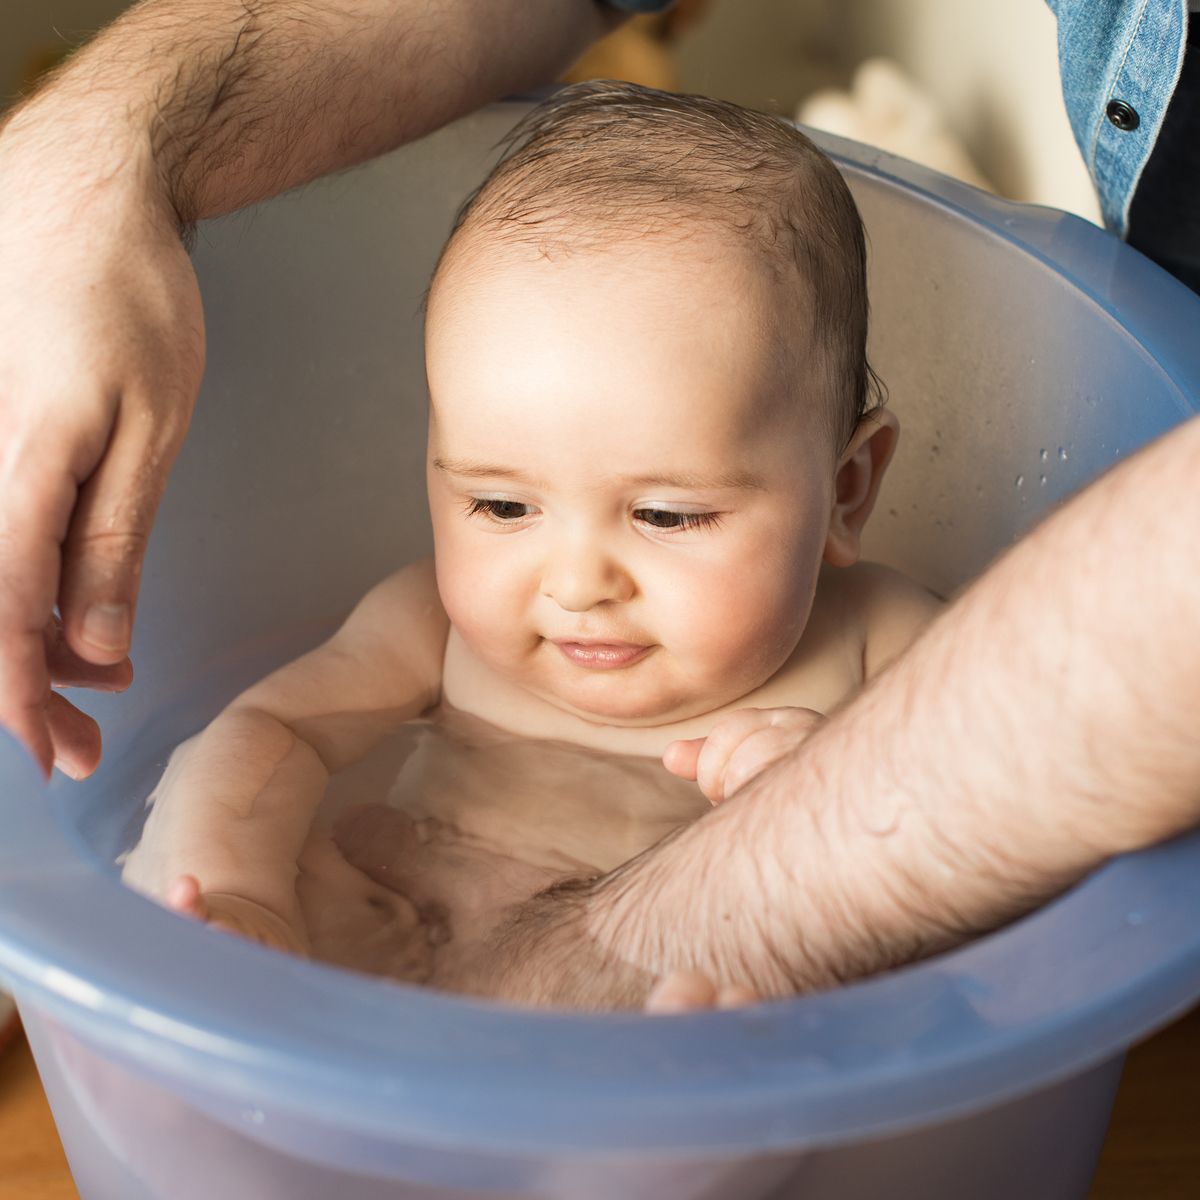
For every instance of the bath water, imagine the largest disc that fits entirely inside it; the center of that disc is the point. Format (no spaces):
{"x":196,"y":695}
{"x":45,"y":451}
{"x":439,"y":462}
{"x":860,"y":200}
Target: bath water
{"x":418,"y":849}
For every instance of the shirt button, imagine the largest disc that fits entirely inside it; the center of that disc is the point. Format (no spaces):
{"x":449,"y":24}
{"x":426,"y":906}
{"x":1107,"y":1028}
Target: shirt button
{"x":1122,"y":115}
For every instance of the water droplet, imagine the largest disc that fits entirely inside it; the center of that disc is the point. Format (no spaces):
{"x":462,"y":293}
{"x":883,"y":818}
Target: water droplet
{"x":1045,"y":455}
{"x":1062,"y":454}
{"x":1042,"y":480}
{"x":1020,"y":480}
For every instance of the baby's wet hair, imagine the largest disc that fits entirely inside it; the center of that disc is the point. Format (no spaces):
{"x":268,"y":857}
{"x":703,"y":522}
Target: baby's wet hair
{"x":605,"y":157}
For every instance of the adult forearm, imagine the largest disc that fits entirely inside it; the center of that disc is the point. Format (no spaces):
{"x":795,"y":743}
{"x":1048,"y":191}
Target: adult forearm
{"x":236,"y":100}
{"x":1044,"y":723}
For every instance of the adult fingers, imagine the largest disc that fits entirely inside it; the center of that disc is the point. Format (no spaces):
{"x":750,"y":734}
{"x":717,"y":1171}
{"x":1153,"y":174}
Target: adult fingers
{"x":693,"y":991}
{"x":682,"y":991}
{"x":25,"y":693}
{"x":735,"y":995}
{"x":110,"y":527}
{"x":68,"y":670}
{"x":75,"y":737}
{"x":36,"y":494}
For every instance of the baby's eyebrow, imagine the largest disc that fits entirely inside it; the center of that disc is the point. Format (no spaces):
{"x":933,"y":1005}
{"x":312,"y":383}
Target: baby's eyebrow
{"x":478,"y":470}
{"x":726,"y":481}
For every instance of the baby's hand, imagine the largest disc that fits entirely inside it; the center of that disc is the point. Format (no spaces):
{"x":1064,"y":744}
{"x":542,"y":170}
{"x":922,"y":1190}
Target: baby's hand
{"x":692,"y":991}
{"x":740,"y":745}
{"x":234,"y":914}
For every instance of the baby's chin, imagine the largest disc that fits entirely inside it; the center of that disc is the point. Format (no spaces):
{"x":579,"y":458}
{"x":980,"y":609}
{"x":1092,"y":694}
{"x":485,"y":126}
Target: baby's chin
{"x":612,"y":704}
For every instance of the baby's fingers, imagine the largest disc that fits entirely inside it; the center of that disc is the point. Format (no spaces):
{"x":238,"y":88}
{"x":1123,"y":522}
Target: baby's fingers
{"x":727,"y":736}
{"x":680,"y":758}
{"x":761,"y":749}
{"x":185,"y":897}
{"x":746,"y":742}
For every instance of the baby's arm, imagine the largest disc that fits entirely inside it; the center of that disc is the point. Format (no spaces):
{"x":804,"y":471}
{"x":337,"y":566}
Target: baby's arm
{"x":234,"y":807}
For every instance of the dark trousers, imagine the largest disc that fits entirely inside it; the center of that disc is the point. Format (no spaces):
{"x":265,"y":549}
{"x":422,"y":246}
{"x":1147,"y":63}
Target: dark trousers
{"x":1164,"y":219}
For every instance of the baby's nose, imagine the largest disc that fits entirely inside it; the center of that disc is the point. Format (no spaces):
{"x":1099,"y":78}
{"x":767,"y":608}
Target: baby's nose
{"x":579,"y":577}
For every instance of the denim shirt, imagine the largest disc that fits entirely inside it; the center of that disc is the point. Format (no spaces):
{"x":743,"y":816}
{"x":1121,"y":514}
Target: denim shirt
{"x":1124,"y":51}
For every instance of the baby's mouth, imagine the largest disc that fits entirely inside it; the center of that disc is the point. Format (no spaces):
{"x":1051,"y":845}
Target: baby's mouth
{"x":602,"y":656}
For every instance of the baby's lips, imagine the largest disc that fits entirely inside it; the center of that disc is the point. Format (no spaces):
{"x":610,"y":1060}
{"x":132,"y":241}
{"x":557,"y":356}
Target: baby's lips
{"x":602,"y":656}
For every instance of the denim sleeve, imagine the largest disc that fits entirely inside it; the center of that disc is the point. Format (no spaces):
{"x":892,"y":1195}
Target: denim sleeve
{"x":1118,"y":50}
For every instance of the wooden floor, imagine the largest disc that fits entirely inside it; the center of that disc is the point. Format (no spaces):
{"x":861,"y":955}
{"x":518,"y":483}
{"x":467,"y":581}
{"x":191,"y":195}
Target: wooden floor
{"x":1152,"y":1151}
{"x":32,"y":1163}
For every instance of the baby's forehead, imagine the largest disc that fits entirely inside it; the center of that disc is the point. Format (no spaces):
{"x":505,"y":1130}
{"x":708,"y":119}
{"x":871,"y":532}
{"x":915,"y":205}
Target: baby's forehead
{"x":693,"y":325}
{"x":695,"y":258}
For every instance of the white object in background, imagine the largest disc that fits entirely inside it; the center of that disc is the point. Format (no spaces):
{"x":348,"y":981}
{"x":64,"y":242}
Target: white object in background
{"x":885,"y":108}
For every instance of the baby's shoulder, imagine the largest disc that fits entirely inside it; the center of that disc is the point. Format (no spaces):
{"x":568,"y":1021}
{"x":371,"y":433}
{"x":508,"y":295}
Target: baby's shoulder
{"x":879,"y":607}
{"x":402,"y":614}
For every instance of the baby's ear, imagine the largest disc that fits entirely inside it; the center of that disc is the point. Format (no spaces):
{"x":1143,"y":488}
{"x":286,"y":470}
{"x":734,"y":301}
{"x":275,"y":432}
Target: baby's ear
{"x":856,"y":484}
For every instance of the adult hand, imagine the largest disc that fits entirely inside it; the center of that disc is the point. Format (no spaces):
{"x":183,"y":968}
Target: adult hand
{"x":693,"y":991}
{"x":182,"y":109}
{"x":741,"y":745}
{"x":101,"y":353}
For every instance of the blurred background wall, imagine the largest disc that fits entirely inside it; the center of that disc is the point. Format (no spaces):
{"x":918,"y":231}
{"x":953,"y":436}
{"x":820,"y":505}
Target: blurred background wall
{"x":34,"y":34}
{"x":991,"y":67}
{"x":986,"y":70}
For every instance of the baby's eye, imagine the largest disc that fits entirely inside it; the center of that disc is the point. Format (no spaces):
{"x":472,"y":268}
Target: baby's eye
{"x":663,"y":518}
{"x":500,"y":510}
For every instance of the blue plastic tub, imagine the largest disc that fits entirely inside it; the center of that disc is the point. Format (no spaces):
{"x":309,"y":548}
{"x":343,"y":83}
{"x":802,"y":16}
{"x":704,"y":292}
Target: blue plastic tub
{"x":1024,"y":350}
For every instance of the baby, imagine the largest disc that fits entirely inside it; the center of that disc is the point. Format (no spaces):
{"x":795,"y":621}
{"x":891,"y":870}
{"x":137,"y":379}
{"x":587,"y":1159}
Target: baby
{"x":651,"y":457}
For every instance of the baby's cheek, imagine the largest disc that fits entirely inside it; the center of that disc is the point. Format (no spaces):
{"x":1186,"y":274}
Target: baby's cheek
{"x":738,"y":626}
{"x":483,"y":604}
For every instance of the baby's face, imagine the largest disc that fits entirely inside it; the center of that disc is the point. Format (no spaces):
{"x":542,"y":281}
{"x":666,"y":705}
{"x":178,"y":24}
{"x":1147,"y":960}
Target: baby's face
{"x":630,"y":478}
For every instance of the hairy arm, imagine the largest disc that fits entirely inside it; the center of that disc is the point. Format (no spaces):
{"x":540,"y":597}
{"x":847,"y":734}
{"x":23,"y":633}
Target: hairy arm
{"x":226,"y":102}
{"x":235,"y":805}
{"x":181,"y":109}
{"x":1045,"y":722}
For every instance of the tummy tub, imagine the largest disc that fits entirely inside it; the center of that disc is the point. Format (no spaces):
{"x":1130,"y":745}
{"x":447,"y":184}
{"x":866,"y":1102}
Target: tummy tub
{"x":1024,"y":351}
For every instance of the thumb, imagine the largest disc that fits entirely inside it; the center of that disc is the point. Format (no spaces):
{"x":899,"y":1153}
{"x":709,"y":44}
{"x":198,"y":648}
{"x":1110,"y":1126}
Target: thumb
{"x":681,"y":758}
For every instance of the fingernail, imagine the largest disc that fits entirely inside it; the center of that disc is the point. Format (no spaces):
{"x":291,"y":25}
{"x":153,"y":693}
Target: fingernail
{"x":108,"y":626}
{"x":67,"y":770}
